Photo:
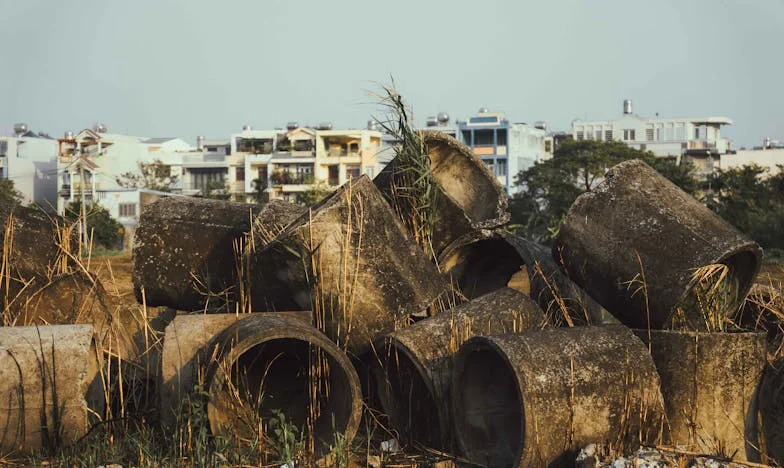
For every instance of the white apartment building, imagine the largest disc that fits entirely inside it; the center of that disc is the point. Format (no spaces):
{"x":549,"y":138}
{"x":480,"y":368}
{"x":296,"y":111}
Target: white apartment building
{"x":698,"y":138}
{"x":30,"y":161}
{"x":769,"y":158}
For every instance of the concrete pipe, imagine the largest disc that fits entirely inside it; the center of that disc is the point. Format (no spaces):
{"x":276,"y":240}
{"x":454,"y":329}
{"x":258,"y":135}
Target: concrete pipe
{"x":412,"y":367}
{"x":350,"y":260}
{"x":186,"y":249}
{"x":636,"y":224}
{"x":709,"y":384}
{"x":762,"y":311}
{"x":51,"y":390}
{"x":268,"y":362}
{"x":470,"y":197}
{"x":771,"y":411}
{"x":536,"y":398}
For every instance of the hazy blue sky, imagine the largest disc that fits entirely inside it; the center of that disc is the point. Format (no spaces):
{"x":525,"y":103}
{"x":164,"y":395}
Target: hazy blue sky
{"x":166,"y":68}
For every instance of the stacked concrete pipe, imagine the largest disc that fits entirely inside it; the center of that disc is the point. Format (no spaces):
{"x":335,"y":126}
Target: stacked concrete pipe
{"x":242,"y":357}
{"x":51,"y":387}
{"x":638,"y":227}
{"x":535,"y":398}
{"x":412,"y":367}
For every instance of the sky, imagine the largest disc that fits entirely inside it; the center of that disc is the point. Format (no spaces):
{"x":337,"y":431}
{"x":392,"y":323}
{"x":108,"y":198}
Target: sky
{"x":162,"y":68}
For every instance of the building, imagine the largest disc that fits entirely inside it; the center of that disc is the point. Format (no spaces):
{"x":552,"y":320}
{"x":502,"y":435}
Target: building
{"x":697,"y":138}
{"x":30,"y":160}
{"x":507,"y":148}
{"x":769,"y":157}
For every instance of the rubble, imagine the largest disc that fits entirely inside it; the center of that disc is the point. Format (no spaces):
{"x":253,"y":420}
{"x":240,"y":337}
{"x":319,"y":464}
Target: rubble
{"x":637,"y":225}
{"x":536,"y":398}
{"x":412,"y":367}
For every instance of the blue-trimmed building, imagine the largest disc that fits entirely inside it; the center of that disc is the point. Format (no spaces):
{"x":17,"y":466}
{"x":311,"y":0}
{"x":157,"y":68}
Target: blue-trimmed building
{"x":507,"y":148}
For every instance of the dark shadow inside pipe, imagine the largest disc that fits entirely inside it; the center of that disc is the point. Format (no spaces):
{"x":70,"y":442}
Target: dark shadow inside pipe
{"x":743,"y":266}
{"x":276,"y":376}
{"x":483,"y":266}
{"x":407,"y":400}
{"x":489,"y":411}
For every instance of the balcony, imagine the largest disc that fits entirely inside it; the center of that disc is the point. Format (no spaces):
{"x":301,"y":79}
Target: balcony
{"x":289,"y":178}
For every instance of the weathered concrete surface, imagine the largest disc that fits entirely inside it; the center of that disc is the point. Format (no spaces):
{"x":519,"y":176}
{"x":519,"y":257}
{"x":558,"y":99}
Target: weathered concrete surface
{"x":31,"y":241}
{"x":268,"y":362}
{"x":185,"y":339}
{"x":365,"y":273}
{"x":709,"y":382}
{"x":470,"y":196}
{"x":536,"y":398}
{"x":771,"y":411}
{"x":273,"y":218}
{"x":412,"y":367}
{"x":637,"y":211}
{"x":184,"y":252}
{"x":50,"y":383}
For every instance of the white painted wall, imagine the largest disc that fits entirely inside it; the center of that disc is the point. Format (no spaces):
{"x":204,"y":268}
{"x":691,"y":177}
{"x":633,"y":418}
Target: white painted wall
{"x":769,"y":158}
{"x":32,"y":164}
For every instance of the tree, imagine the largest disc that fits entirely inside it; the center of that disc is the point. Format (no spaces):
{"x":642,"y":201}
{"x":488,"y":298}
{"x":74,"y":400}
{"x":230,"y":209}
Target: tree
{"x":105,"y":230}
{"x":9,"y":194}
{"x":259,"y":194}
{"x":549,"y":188}
{"x":314,"y":193}
{"x":153,"y":175}
{"x":217,"y":190}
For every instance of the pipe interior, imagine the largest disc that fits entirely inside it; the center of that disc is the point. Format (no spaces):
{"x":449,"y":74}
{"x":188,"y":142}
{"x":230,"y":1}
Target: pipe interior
{"x":489,"y":411}
{"x":275,"y":375}
{"x":407,"y":400}
{"x":485,"y":266}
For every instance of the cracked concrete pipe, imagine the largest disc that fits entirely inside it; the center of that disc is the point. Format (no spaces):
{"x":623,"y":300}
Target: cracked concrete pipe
{"x":351,"y":257}
{"x":470,"y":197}
{"x":536,"y":398}
{"x":184,"y":250}
{"x":709,"y":383}
{"x":50,"y":387}
{"x":256,"y":364}
{"x":637,"y":216}
{"x":412,"y":367}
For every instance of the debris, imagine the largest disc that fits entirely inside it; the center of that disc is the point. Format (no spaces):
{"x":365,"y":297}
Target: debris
{"x":390,"y":446}
{"x":535,"y":398}
{"x":350,"y":261}
{"x":412,"y":367}
{"x":709,"y":381}
{"x":635,"y":241}
{"x":50,"y":386}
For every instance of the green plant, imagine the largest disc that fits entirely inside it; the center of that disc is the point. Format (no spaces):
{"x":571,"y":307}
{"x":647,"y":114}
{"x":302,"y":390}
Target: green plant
{"x":153,"y":175}
{"x":101,"y":227}
{"x":8,"y":193}
{"x":288,"y":442}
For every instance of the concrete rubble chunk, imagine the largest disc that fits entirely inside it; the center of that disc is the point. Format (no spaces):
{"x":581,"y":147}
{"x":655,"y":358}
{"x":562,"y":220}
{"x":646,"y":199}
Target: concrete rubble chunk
{"x":709,"y":383}
{"x":349,"y":250}
{"x":412,"y":367}
{"x":536,"y":398}
{"x":637,"y":217}
{"x":50,"y":386}
{"x":186,"y":250}
{"x":278,"y":356}
{"x":470,"y":197}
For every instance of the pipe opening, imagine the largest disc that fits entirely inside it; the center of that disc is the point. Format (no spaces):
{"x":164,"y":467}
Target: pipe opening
{"x":407,"y":399}
{"x":485,"y":266}
{"x":284,"y":375}
{"x":489,"y":411}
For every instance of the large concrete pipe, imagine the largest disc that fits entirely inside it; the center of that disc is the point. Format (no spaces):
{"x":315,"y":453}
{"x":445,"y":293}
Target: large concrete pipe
{"x":536,"y":398}
{"x":709,"y":383}
{"x":351,"y":261}
{"x":253,"y":364}
{"x":51,"y":389}
{"x":483,"y":265}
{"x":412,"y":367}
{"x":763,"y":310}
{"x":186,"y":250}
{"x":771,"y":411}
{"x":635,"y":242}
{"x":470,"y":197}
{"x":29,"y":244}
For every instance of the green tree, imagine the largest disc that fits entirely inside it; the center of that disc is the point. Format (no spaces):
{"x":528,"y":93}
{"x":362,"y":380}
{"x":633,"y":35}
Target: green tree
{"x":105,"y":230}
{"x":313,"y":194}
{"x":549,"y":188}
{"x":259,"y":194}
{"x":9,"y":193}
{"x":217,"y":190}
{"x":153,"y":175}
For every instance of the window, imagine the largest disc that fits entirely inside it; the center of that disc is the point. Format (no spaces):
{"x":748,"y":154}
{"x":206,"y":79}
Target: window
{"x":608,"y":135}
{"x":3,"y":148}
{"x":489,"y":163}
{"x":467,"y":138}
{"x":680,"y":131}
{"x":649,"y":134}
{"x":500,"y":167}
{"x":659,"y":134}
{"x":352,"y":172}
{"x":483,"y":137}
{"x":483,"y":120}
{"x":240,"y":174}
{"x":127,"y":210}
{"x":696,"y":133}
{"x":668,"y":132}
{"x":579,"y":135}
{"x":501,"y":137}
{"x":548,"y":146}
{"x":598,"y":136}
{"x":370,"y":171}
{"x":629,"y":135}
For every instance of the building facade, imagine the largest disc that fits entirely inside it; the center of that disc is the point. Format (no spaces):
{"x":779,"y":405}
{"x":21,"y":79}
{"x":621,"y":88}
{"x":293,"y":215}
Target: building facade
{"x":30,"y":161}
